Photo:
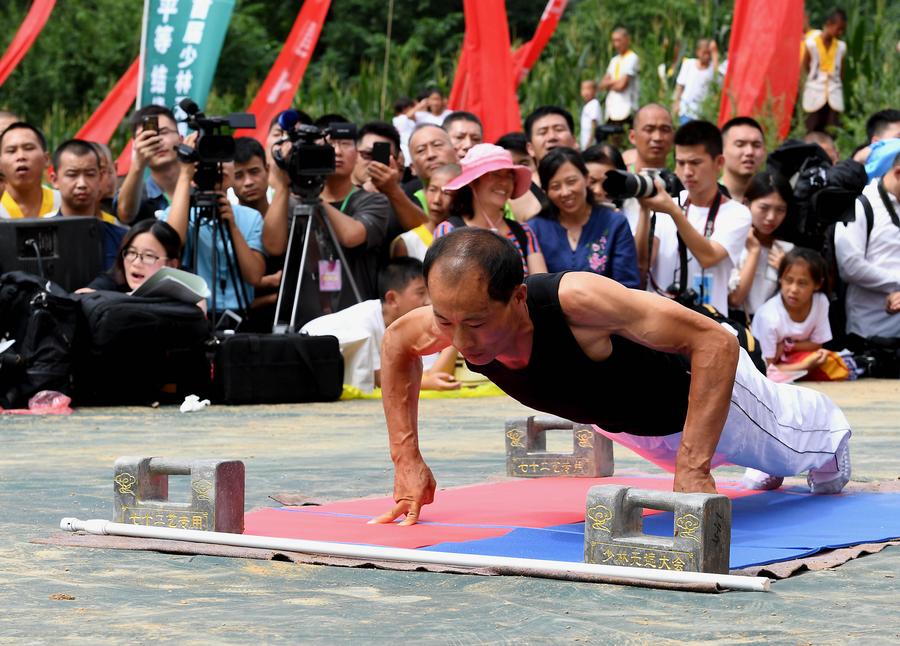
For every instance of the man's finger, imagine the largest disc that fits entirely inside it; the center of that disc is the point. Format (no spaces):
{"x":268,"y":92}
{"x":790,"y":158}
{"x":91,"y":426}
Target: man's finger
{"x":389,"y":517}
{"x":412,"y":515}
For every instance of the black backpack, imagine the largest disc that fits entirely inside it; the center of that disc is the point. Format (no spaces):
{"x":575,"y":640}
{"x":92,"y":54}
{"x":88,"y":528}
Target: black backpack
{"x":136,"y":350}
{"x":41,"y":317}
{"x":823,"y":193}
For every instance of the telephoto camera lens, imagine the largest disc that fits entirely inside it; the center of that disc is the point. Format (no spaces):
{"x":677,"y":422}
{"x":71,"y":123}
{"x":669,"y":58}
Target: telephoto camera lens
{"x":621,"y":184}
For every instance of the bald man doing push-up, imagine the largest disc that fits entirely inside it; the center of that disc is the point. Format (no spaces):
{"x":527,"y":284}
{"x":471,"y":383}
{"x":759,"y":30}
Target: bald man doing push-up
{"x":587,"y":349}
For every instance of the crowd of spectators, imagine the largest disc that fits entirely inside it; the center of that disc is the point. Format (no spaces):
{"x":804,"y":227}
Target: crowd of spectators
{"x":716,"y":241}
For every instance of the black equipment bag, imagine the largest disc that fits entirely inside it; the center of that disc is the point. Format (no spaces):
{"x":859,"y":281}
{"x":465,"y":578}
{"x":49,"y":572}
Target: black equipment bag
{"x":41,"y":317}
{"x":277,"y":369}
{"x":878,"y":356}
{"x":139,"y":350}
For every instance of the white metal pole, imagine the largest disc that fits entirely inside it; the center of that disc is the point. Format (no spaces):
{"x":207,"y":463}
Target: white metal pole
{"x":371,"y":552}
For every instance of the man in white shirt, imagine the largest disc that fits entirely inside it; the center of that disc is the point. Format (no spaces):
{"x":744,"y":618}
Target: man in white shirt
{"x":870,"y":264}
{"x":713,"y":228}
{"x":694,"y":80}
{"x":360,"y":328}
{"x":621,"y":80}
{"x":744,"y":148}
{"x":591,"y":113}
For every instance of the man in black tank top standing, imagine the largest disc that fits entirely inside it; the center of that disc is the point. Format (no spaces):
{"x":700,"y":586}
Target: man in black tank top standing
{"x":585,"y":348}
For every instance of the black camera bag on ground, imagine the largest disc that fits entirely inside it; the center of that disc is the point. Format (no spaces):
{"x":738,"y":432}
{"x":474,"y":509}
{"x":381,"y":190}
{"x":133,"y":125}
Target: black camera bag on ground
{"x":41,"y":317}
{"x":882,"y":357}
{"x":277,"y":369}
{"x":139,"y":350}
{"x":878,"y":356}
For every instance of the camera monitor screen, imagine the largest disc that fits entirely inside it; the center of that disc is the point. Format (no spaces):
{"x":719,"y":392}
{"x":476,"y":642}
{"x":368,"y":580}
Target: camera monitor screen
{"x":69,"y":248}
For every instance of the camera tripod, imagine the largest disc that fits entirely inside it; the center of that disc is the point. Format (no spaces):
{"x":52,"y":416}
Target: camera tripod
{"x":306,"y":213}
{"x":206,"y":206}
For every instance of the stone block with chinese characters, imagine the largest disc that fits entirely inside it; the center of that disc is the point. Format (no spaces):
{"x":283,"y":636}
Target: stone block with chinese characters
{"x":613,"y":530}
{"x":141,"y":494}
{"x":527,"y":456}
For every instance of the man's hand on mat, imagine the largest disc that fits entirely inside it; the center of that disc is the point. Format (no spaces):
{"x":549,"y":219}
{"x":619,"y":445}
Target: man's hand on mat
{"x":414,"y":487}
{"x":692,"y":480}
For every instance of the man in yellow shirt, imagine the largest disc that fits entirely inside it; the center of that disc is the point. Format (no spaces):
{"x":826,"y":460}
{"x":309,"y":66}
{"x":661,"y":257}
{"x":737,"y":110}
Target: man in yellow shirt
{"x":23,"y":160}
{"x":6,"y":119}
{"x":76,"y":173}
{"x":823,"y":63}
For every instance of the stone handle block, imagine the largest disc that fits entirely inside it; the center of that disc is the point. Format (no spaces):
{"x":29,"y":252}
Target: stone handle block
{"x":527,"y":456}
{"x":614,"y":526}
{"x":141,"y":493}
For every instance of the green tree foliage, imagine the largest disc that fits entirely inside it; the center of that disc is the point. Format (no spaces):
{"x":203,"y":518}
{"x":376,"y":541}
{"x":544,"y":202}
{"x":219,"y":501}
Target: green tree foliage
{"x":82,"y":51}
{"x":87,"y":45}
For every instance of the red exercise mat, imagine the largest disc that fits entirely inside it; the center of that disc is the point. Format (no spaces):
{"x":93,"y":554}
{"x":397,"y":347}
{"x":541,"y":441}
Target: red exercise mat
{"x":457,"y":514}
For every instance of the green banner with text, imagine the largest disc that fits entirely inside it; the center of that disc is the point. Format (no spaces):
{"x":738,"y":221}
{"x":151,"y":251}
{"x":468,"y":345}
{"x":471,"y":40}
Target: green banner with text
{"x":180,"y":45}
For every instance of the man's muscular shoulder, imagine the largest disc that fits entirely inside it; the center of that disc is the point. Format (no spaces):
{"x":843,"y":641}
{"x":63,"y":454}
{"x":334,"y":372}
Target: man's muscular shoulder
{"x":588,"y":303}
{"x":586,"y":298}
{"x":416,"y":333}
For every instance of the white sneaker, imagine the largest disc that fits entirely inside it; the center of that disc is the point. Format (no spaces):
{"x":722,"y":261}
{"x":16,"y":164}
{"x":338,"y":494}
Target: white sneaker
{"x":829,"y":482}
{"x":760,"y":480}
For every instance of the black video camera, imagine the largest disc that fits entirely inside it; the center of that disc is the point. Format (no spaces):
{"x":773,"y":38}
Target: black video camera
{"x":212,"y":148}
{"x":620,"y":184}
{"x":824,"y":194}
{"x":310,"y":160}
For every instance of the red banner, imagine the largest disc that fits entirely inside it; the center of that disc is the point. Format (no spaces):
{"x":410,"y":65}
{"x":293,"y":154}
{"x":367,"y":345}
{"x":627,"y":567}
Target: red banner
{"x":109,"y":114}
{"x":278,"y":90}
{"x":458,"y":94}
{"x":763,"y":72}
{"x":526,"y":56}
{"x":25,"y":37}
{"x":488,"y":88}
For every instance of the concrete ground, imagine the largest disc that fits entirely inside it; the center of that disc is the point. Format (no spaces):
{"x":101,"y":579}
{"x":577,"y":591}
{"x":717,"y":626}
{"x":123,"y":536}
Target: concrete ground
{"x":55,"y":467}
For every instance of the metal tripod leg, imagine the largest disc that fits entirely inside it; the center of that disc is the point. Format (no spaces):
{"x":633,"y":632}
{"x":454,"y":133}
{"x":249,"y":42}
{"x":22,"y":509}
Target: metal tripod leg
{"x":308,"y":210}
{"x":299,"y":211}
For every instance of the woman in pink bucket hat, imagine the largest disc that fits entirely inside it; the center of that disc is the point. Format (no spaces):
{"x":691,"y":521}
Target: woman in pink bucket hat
{"x":488,"y":180}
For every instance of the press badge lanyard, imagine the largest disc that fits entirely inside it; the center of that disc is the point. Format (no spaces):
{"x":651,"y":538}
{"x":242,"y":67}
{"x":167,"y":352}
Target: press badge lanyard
{"x":330,"y":279}
{"x":707,"y":233}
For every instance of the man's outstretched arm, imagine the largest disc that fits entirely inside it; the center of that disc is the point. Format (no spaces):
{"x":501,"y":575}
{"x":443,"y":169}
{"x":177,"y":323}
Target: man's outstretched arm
{"x":597,"y":307}
{"x":405,"y":341}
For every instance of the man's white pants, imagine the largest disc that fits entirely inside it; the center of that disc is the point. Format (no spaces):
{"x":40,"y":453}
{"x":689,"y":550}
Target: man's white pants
{"x":780,"y":429}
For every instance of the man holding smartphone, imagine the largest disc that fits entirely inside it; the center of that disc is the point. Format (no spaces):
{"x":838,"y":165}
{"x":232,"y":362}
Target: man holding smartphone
{"x":155,"y":138}
{"x":379,"y":169}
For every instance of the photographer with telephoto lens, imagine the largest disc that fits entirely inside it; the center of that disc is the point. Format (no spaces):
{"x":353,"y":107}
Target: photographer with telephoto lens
{"x":701,"y":236}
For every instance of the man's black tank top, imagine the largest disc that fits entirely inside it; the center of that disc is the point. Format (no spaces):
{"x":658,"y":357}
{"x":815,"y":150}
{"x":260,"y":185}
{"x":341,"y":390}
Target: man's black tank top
{"x":635,"y":390}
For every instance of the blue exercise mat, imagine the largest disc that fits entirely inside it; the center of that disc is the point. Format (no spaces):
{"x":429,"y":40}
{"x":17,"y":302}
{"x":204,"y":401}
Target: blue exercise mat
{"x":767,"y":528}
